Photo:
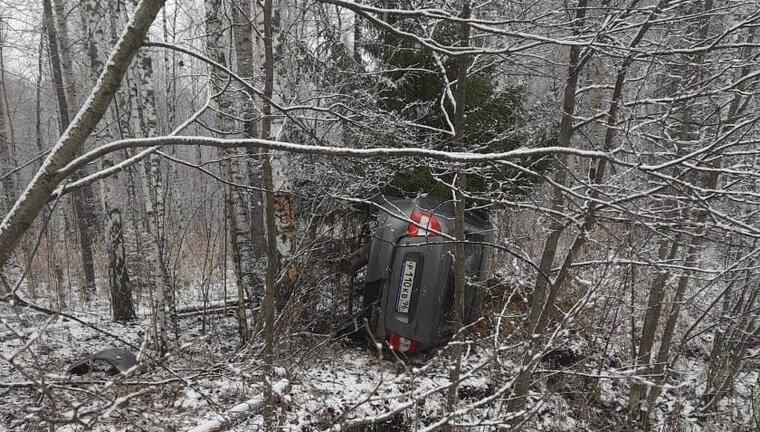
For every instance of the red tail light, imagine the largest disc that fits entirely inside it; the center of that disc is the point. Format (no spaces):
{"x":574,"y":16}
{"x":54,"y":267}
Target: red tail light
{"x":402,"y":344}
{"x":426,"y":224}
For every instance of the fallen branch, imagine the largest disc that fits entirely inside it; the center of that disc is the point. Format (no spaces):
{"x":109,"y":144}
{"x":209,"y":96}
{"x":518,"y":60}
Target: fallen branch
{"x":211,"y":308}
{"x":240,"y":411}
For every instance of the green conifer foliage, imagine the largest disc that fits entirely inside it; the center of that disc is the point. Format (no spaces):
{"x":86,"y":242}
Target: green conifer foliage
{"x":413,"y":88}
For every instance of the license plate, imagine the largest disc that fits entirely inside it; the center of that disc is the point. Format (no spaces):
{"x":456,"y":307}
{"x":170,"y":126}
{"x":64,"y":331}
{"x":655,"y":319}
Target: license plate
{"x":405,"y":287}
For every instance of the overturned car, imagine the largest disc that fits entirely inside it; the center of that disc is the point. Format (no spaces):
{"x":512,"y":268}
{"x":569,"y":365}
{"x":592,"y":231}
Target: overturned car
{"x":409,"y":292}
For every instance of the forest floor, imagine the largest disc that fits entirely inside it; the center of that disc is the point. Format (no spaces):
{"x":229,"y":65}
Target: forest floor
{"x":321,"y":381}
{"x":208,"y":382}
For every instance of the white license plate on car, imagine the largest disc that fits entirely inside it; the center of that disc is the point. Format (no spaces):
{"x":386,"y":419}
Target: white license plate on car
{"x":405,"y":287}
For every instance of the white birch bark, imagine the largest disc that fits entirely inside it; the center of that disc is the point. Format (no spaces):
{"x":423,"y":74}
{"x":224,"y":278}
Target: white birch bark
{"x":248,"y":216}
{"x":6,"y":153}
{"x":82,"y":200}
{"x":62,"y":32}
{"x":278,"y":161}
{"x":237,"y":223}
{"x":270,"y":290}
{"x":118,"y":279}
{"x":47,"y":179}
{"x":153,"y":196}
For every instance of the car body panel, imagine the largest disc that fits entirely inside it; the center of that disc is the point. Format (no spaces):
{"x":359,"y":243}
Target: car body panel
{"x":426,"y":316}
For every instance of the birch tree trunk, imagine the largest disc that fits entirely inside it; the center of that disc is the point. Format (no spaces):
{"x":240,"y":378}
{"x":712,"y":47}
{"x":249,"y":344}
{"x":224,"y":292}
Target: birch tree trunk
{"x":269,"y":206}
{"x":144,"y":121}
{"x":82,"y":198}
{"x":237,"y":219}
{"x":284,"y":208}
{"x":7,"y":161}
{"x":47,"y":179}
{"x":460,"y":186}
{"x":249,"y":218}
{"x":155,"y":273}
{"x":38,"y":99}
{"x":118,"y":279}
{"x":54,"y":256}
{"x":170,"y":72}
{"x":66,"y":66}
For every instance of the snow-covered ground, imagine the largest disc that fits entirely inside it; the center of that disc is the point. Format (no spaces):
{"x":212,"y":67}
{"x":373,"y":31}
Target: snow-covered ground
{"x":322,"y":383}
{"x":208,"y":382}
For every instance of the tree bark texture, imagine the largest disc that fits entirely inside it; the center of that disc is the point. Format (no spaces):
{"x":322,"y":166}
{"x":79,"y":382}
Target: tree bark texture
{"x":121,"y":292}
{"x":82,"y":199}
{"x":47,"y":179}
{"x":119,"y":283}
{"x":7,"y":159}
{"x":284,"y":206}
{"x":238,"y":224}
{"x":460,"y":203}
{"x":270,"y":289}
{"x":62,"y":32}
{"x":155,"y":188}
{"x":252,"y":242}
